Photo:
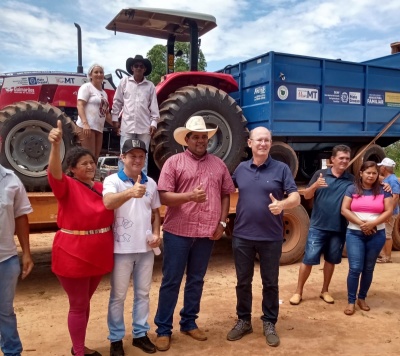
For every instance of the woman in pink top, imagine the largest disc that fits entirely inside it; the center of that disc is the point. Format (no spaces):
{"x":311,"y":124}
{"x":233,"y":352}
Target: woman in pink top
{"x":366,"y":206}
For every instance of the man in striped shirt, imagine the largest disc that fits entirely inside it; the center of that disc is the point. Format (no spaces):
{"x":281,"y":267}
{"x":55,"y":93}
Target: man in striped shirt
{"x":196,"y":187}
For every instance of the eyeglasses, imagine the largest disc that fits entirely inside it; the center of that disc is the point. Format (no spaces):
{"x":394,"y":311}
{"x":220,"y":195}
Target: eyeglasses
{"x":261,"y":140}
{"x":141,"y":66}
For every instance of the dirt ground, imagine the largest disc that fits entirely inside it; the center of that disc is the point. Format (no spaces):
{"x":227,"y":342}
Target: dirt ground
{"x":312,"y":328}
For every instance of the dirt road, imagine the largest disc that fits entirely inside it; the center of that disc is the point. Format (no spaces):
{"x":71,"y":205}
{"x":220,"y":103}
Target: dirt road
{"x":312,"y":328}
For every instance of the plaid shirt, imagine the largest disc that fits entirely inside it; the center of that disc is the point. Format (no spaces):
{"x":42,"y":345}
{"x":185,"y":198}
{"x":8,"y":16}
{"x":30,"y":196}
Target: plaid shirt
{"x":184,"y":172}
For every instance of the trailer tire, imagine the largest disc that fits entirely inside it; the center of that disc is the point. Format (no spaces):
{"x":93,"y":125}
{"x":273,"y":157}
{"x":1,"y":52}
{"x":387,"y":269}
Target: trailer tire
{"x":295,"y":224}
{"x":396,"y":235}
{"x":373,"y":153}
{"x":24,"y":128}
{"x":217,"y":108}
{"x":284,"y":153}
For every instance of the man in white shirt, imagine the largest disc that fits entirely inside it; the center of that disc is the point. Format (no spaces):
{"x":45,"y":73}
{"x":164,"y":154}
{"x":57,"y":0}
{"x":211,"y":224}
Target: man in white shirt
{"x":15,"y":206}
{"x":136,"y":98}
{"x":135,"y":198}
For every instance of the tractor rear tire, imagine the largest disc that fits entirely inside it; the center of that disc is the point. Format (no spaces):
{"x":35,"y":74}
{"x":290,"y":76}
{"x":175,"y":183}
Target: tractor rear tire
{"x":284,"y":153}
{"x":295,"y":225}
{"x":373,"y":153}
{"x":217,"y":108}
{"x":396,"y":235}
{"x":25,"y":127}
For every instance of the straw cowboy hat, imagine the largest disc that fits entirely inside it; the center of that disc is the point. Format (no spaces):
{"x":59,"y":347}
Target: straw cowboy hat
{"x":139,"y":59}
{"x":194,"y":124}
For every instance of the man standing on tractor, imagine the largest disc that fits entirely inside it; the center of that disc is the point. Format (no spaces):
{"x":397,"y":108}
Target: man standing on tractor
{"x":136,"y":98}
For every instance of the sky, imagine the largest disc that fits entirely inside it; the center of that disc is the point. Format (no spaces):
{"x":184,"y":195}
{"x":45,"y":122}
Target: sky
{"x":40,"y":34}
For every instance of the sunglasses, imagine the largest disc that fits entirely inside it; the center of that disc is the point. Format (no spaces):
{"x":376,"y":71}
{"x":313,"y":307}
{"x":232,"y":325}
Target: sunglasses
{"x":139,"y":66}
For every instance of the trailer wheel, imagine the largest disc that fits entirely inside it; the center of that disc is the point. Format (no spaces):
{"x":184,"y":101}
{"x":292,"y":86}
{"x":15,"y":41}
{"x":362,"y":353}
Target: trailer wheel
{"x":284,"y":153}
{"x":217,"y":108}
{"x":295,"y":224}
{"x":396,"y":235}
{"x":24,"y":128}
{"x":373,"y":153}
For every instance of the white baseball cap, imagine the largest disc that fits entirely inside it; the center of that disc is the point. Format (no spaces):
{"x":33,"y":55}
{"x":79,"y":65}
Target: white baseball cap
{"x":387,"y":162}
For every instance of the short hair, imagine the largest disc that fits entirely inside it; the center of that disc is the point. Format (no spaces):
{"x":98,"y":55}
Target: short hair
{"x":340,"y":148}
{"x":74,"y":155}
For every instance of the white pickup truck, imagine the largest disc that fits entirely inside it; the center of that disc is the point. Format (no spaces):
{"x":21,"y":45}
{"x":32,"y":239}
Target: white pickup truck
{"x":105,"y":166}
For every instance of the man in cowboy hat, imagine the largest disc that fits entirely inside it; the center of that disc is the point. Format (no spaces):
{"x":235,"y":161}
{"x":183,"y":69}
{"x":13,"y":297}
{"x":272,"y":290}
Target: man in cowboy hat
{"x":136,"y":98}
{"x":195,"y":186}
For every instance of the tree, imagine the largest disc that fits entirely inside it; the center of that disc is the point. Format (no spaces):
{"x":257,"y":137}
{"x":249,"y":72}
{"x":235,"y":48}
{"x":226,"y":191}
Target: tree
{"x":393,"y":151}
{"x":158,"y":58}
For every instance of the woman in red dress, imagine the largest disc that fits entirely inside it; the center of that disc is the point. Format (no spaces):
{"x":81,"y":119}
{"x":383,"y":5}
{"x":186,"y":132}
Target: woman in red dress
{"x":83,"y":247}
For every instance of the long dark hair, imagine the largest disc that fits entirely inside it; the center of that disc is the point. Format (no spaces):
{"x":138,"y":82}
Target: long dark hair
{"x":376,"y":187}
{"x":74,"y":155}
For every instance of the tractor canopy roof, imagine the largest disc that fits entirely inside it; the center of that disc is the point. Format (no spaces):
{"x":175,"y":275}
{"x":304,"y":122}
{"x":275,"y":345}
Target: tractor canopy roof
{"x":161,"y":23}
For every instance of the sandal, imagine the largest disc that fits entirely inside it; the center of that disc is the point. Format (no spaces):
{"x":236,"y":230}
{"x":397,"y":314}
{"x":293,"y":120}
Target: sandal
{"x":350,"y":309}
{"x":363,"y":305}
{"x":383,"y":260}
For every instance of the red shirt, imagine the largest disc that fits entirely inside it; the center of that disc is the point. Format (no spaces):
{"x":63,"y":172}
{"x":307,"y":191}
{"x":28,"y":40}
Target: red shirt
{"x":80,"y":208}
{"x":184,"y":172}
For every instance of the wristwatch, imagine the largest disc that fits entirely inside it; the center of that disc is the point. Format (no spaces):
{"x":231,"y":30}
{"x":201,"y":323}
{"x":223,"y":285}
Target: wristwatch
{"x":223,"y":223}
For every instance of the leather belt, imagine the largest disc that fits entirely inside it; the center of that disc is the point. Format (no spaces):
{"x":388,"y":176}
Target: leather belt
{"x":87,"y":232}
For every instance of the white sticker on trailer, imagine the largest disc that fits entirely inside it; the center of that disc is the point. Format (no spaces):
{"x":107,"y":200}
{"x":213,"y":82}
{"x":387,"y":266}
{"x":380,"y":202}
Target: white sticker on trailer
{"x":354,"y":98}
{"x":307,"y":94}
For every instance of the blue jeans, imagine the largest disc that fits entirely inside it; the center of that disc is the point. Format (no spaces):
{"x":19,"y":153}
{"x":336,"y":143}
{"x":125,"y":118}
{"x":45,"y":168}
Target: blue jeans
{"x":244,"y":253}
{"x":329,"y":243}
{"x":182,"y":253}
{"x":9,"y":338}
{"x":362,"y":252}
{"x":143,"y":137}
{"x":140,"y":266}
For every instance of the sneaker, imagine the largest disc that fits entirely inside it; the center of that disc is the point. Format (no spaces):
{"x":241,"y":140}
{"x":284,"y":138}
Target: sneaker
{"x":242,"y":328}
{"x":116,"y":349}
{"x":144,"y":344}
{"x":270,"y":334}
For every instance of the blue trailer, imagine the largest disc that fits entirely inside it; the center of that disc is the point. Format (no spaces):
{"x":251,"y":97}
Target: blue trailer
{"x":311,"y":104}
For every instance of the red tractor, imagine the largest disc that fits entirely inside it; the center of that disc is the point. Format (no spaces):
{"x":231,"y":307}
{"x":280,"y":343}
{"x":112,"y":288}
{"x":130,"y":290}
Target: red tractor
{"x":32,"y":102}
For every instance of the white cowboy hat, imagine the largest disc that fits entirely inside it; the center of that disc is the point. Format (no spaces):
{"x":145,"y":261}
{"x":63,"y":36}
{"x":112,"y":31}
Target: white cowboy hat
{"x":194,"y":124}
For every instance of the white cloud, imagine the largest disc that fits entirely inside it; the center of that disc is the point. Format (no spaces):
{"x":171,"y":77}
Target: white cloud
{"x":35,"y":36}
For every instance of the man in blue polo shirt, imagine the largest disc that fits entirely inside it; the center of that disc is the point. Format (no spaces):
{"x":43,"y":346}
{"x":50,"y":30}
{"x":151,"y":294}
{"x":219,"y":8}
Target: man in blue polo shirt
{"x":327,"y":231}
{"x":262,"y":182}
{"x":386,"y":170}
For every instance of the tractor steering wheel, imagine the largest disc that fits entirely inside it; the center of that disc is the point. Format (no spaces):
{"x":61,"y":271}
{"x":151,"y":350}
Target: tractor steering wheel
{"x":121,"y":72}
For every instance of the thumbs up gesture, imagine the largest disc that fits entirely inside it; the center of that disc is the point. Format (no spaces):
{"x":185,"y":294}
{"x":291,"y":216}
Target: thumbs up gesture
{"x":55,"y":134}
{"x":276,"y":206}
{"x":138,"y":189}
{"x":321,"y":183}
{"x":199,"y":194}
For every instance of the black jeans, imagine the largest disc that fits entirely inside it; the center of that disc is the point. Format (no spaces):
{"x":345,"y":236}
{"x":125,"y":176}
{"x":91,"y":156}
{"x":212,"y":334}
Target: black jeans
{"x":244,"y":253}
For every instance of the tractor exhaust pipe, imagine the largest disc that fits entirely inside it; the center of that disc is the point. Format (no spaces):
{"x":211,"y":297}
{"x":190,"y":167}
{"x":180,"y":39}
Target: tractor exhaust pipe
{"x":79,"y":68}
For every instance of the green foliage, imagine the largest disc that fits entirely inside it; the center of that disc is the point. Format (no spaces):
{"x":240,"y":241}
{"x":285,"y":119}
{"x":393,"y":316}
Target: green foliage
{"x":393,"y":151}
{"x":158,"y":57}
